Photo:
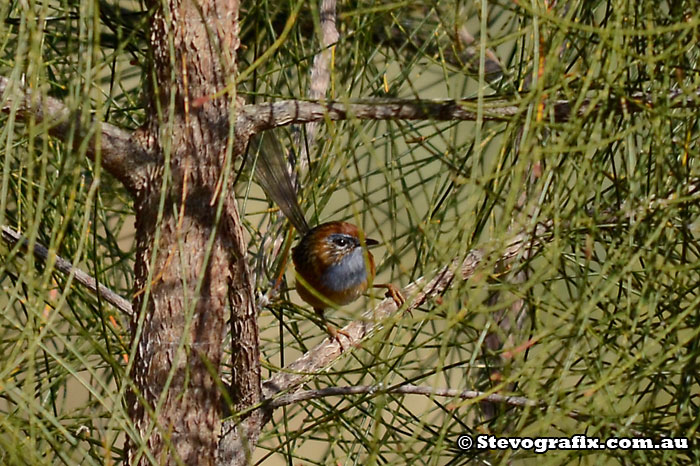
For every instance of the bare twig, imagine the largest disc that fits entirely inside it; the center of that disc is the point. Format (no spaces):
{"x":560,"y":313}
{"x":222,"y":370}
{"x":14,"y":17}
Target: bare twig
{"x":64,"y":266}
{"x":408,"y":389}
{"x":260,"y":117}
{"x":271,"y":115}
{"x":121,"y":155}
{"x":321,"y":71}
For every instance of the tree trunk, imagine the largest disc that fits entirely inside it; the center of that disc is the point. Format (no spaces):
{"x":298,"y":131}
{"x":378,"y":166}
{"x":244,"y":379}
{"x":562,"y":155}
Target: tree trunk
{"x":189,"y":265}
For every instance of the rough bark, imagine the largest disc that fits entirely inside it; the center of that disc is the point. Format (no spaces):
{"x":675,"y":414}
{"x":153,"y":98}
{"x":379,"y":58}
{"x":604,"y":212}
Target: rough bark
{"x":189,"y":264}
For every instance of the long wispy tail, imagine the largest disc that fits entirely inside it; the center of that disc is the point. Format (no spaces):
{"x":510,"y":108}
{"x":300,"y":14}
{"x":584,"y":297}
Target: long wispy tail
{"x":272,"y":173}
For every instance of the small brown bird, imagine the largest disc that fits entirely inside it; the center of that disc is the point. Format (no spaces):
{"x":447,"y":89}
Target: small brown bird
{"x":333,"y":264}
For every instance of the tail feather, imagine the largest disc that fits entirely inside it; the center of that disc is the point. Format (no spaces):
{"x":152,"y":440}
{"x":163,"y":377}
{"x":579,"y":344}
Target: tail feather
{"x":272,"y":173}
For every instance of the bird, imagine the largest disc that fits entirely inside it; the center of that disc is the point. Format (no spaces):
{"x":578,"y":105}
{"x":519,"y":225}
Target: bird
{"x":333,"y":264}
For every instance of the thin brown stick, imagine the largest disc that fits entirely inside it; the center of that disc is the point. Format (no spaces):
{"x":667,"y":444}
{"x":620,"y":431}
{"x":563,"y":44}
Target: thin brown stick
{"x":64,"y":266}
{"x":260,"y":117}
{"x":265,"y":116}
{"x":408,"y":389}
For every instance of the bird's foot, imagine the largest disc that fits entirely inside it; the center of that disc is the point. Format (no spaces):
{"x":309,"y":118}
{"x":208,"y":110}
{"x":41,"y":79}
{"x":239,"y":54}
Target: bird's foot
{"x":394,"y":293}
{"x":335,"y":333}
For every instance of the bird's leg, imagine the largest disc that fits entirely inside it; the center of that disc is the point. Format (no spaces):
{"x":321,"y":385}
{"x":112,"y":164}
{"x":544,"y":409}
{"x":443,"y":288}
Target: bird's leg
{"x":332,"y":330}
{"x":393,"y":293}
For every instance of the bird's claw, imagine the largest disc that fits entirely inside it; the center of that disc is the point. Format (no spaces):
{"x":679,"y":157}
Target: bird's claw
{"x":335,"y":333}
{"x":393,"y":293}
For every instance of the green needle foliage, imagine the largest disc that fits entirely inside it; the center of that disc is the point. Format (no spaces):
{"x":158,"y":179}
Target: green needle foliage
{"x":585,"y":130}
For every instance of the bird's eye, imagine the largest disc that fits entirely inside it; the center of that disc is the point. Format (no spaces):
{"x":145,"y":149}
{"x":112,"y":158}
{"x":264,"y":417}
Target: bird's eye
{"x":341,"y":241}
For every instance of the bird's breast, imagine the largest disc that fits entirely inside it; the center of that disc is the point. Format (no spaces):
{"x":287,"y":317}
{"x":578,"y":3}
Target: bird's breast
{"x":347,"y":274}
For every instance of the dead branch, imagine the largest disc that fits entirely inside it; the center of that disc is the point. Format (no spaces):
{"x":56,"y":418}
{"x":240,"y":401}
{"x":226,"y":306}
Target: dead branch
{"x":121,"y":155}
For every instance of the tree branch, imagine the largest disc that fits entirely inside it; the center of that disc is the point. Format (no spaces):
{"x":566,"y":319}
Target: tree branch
{"x":260,"y":117}
{"x":271,"y":115}
{"x":122,"y":156}
{"x":408,"y":389}
{"x":64,"y":266}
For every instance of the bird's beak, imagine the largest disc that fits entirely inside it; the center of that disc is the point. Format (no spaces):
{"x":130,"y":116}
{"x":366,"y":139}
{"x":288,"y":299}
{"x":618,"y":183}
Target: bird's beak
{"x":371,"y":242}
